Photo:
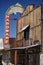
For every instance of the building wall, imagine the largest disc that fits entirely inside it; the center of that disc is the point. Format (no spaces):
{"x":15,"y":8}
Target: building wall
{"x":32,"y":19}
{"x":12,"y":42}
{"x":28,"y":9}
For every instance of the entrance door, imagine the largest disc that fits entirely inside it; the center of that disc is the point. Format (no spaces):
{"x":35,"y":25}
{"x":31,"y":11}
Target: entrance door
{"x":21,"y":57}
{"x":36,"y":59}
{"x":29,"y":59}
{"x":33,"y":59}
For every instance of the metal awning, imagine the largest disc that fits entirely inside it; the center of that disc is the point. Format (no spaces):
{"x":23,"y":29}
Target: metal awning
{"x":23,"y":28}
{"x":26,"y":47}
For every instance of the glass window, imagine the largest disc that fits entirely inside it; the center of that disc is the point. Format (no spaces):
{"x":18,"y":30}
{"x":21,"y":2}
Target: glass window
{"x":26,"y":33}
{"x":42,"y":15}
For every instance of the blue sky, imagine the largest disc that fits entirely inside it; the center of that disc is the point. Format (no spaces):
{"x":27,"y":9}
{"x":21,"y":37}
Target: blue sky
{"x":4,"y":5}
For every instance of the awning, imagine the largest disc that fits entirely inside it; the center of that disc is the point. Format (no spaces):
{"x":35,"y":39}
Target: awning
{"x":22,"y":48}
{"x":24,"y":28}
{"x":27,"y":46}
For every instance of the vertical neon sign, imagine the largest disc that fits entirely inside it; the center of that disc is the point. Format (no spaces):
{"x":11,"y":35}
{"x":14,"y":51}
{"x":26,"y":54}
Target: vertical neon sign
{"x":7,"y":30}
